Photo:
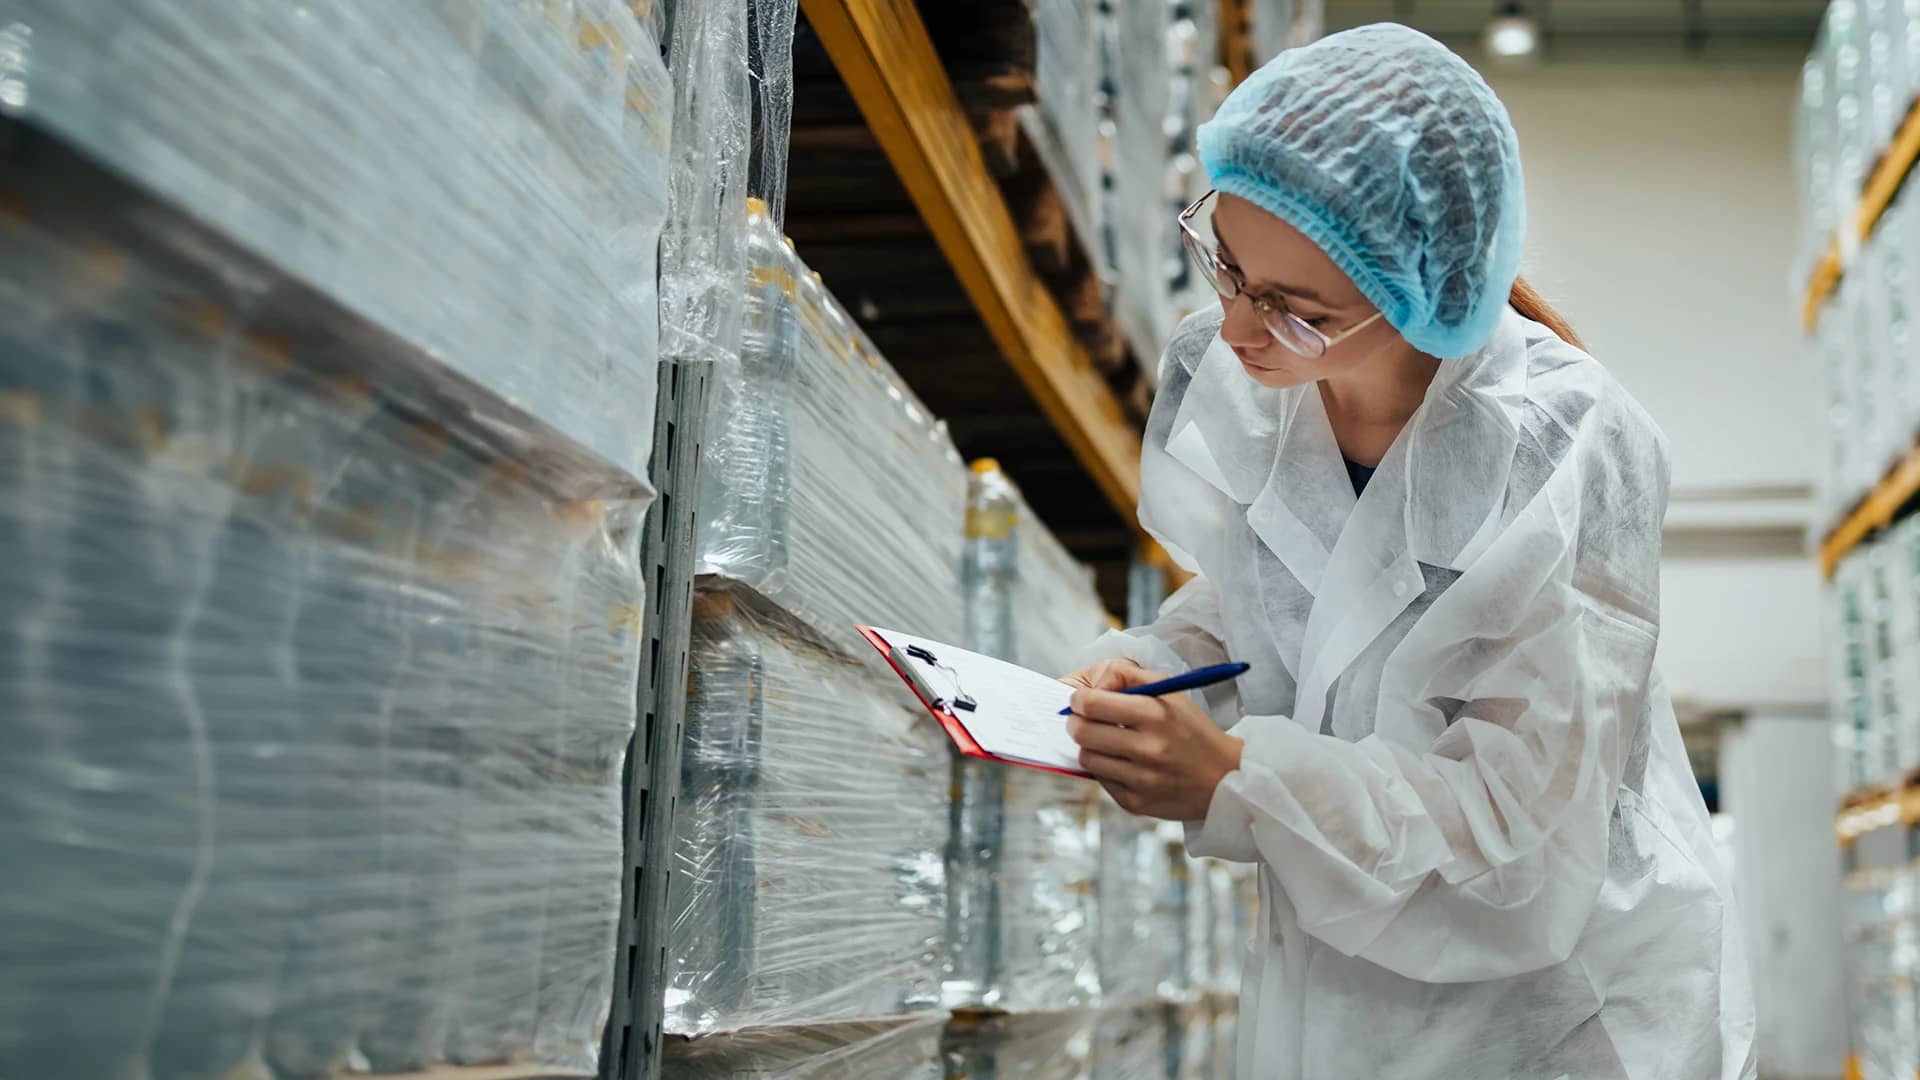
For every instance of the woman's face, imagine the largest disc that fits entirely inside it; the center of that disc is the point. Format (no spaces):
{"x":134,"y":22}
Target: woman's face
{"x":1282,"y":266}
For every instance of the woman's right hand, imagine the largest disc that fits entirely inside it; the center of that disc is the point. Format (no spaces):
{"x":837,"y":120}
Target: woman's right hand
{"x":1113,"y":675}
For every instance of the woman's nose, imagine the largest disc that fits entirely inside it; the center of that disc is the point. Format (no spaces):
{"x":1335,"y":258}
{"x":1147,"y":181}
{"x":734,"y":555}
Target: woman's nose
{"x":1243,"y":327}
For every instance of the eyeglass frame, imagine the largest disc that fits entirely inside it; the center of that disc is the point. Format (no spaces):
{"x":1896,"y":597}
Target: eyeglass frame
{"x":1218,"y":271}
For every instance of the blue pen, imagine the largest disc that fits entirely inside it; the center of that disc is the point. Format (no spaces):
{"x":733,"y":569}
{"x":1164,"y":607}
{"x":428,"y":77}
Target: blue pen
{"x":1192,"y":680}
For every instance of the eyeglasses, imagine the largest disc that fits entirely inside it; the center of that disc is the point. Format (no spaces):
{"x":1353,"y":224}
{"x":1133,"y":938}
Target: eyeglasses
{"x":1287,"y":328}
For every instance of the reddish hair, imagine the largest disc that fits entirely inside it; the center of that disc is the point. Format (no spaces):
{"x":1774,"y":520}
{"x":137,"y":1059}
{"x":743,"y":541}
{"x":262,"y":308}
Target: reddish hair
{"x":1527,"y":301}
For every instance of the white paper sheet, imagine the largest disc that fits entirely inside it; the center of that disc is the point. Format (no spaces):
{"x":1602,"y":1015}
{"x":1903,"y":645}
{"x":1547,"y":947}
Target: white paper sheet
{"x":1016,"y":712}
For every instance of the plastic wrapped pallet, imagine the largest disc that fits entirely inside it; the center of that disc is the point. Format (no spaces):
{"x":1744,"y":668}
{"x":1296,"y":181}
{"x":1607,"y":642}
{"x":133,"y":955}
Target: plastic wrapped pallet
{"x":1899,"y":750}
{"x":1813,"y":138}
{"x":1023,"y":846}
{"x":891,"y":1049}
{"x":1130,"y":1043}
{"x":1850,"y":655}
{"x":315,"y":718}
{"x":404,"y":160}
{"x":1193,"y":906}
{"x":1903,"y":554}
{"x":1028,"y":600}
{"x":1279,"y":25}
{"x":1848,"y":104}
{"x":1229,"y":890}
{"x":823,"y":466}
{"x":1022,"y":861}
{"x":1033,"y":1046}
{"x":1071,"y":102}
{"x":1189,"y":1034}
{"x":812,"y":815}
{"x":1831,"y":350}
{"x":1851,"y":662}
{"x":1885,"y":953}
{"x":1139,"y":931}
{"x":1144,"y":247}
{"x":1897,"y":301}
{"x":1884,"y":38}
{"x":1226,"y":1038}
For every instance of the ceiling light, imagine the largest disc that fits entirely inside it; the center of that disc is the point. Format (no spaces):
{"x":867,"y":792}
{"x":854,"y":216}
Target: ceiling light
{"x":1512,"y":35}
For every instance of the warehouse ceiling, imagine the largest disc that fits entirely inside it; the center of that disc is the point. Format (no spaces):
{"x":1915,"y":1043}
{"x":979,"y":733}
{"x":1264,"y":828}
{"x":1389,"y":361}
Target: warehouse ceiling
{"x":1695,"y":24}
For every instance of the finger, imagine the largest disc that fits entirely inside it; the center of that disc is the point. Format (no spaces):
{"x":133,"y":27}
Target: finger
{"x":1116,"y":674}
{"x":1127,"y":710}
{"x":1107,"y":768}
{"x":1106,"y":738}
{"x":1125,"y":675}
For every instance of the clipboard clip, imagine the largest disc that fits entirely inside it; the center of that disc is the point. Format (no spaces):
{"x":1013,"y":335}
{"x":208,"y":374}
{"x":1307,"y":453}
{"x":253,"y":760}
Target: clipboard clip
{"x":960,"y":701}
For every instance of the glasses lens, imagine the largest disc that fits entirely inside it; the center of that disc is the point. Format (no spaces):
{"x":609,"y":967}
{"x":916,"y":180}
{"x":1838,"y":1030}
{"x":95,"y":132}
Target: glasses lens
{"x":1208,"y":266}
{"x":1288,"y":330}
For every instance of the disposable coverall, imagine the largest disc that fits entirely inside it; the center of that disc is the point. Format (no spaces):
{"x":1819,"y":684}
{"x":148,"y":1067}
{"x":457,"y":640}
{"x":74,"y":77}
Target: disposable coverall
{"x":1482,"y":853}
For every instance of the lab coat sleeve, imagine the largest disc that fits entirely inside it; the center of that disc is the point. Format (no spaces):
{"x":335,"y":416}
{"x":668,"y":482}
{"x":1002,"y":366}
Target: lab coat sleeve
{"x":1481,"y":857}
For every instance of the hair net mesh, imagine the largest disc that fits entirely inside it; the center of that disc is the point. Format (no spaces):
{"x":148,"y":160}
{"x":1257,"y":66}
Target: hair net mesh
{"x":1395,"y":157}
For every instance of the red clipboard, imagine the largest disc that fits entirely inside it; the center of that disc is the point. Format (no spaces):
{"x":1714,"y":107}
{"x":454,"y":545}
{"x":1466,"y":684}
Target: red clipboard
{"x":955,"y":728}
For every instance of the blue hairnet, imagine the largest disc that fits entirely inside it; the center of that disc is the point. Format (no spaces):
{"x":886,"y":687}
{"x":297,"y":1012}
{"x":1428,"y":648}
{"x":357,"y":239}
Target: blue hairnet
{"x":1395,"y":157}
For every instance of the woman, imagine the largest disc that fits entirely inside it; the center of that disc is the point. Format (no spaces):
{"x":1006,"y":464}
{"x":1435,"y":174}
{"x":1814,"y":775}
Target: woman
{"x":1432,"y":525}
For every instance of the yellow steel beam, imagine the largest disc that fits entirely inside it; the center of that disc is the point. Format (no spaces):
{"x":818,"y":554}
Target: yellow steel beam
{"x":1883,"y":183}
{"x":1874,"y":513}
{"x":882,"y":52}
{"x":1900,"y":485}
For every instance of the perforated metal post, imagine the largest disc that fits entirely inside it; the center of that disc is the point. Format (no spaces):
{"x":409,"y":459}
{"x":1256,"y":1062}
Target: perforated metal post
{"x":632,"y":1046}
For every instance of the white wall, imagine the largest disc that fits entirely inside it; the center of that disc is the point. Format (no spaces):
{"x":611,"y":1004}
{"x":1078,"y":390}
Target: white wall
{"x":1661,"y":211}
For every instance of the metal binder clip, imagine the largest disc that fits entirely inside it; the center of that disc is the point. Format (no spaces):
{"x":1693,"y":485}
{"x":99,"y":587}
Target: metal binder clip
{"x":923,"y":654}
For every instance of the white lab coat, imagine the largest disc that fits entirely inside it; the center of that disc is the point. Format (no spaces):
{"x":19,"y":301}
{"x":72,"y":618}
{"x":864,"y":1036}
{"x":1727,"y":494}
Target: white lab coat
{"x":1482,"y":852}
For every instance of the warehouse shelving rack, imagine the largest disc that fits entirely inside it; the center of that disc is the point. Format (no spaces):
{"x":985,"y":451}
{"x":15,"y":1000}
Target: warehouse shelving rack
{"x":883,"y":52}
{"x":1896,"y":490}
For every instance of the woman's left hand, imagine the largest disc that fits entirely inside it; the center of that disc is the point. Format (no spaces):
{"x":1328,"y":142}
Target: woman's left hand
{"x":1158,"y":757}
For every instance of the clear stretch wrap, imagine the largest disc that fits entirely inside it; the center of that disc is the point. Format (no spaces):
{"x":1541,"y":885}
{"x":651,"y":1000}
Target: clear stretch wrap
{"x":829,"y":488}
{"x":1145,"y":244}
{"x":1843,"y":40}
{"x":808,"y":882}
{"x":1140,"y":933}
{"x":703,"y":252}
{"x":902,"y":1049}
{"x":1885,"y":958}
{"x":483,"y":179}
{"x":1903,"y":569}
{"x":1813,"y":141}
{"x":1190,"y":1041}
{"x":1896,"y":299}
{"x":1023,"y":847}
{"x":1859,"y":308}
{"x":314,"y":717}
{"x":1897,"y":752}
{"x":1831,"y":349}
{"x":1130,"y":1043}
{"x":1233,"y":897}
{"x":1035,"y":1046}
{"x":1226,"y":1038}
{"x":1022,"y":861}
{"x":1071,"y":103}
{"x":1279,"y":25}
{"x":1193,"y":906}
{"x":1028,"y":600}
{"x":1850,"y":656}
